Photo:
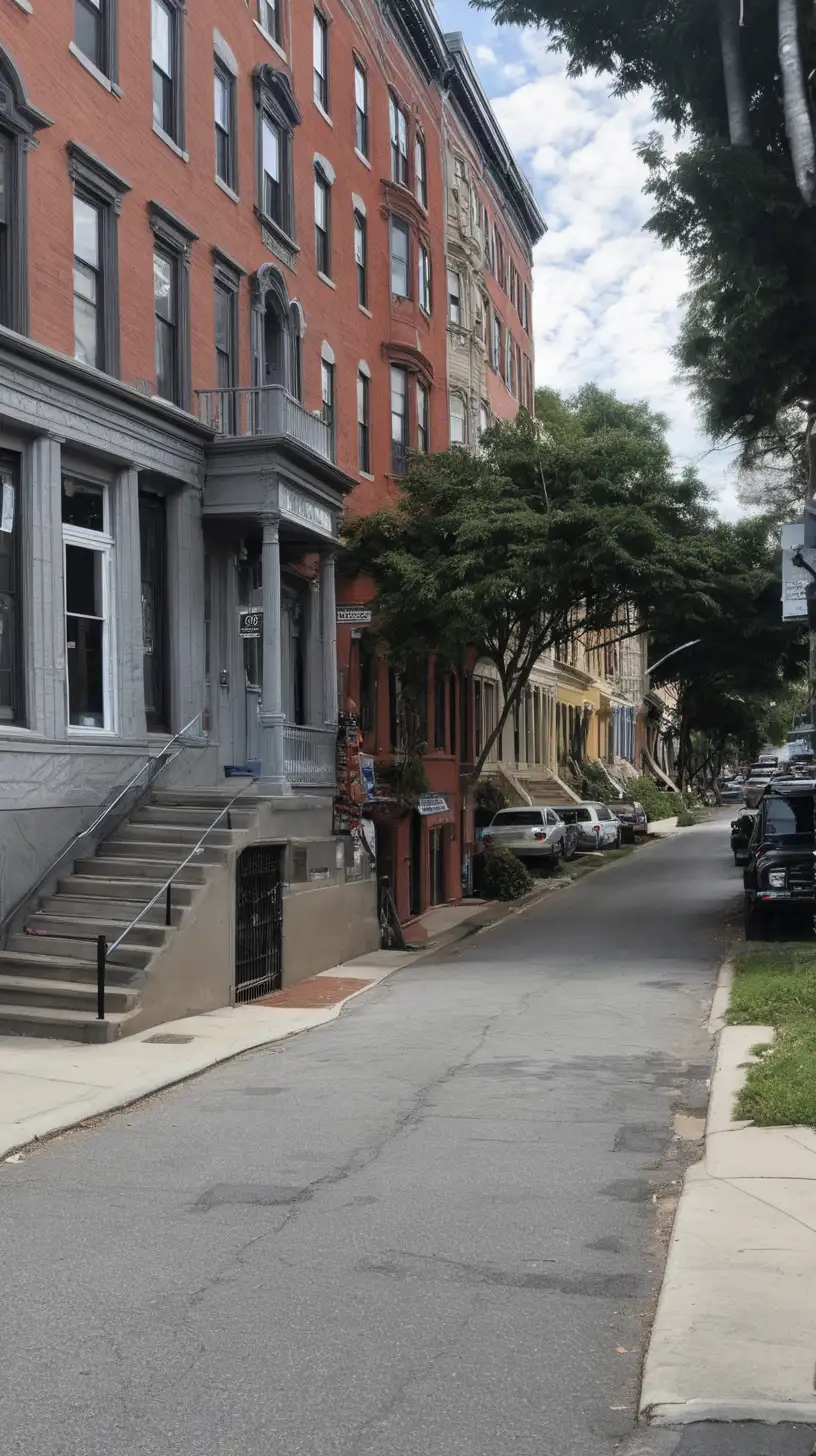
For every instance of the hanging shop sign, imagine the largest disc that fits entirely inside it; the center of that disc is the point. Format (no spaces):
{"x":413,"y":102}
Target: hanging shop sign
{"x":250,"y":625}
{"x":432,"y":804}
{"x":357,"y":616}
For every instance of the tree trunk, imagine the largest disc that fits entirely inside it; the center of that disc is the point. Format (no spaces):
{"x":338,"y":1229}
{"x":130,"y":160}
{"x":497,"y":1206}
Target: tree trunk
{"x":797,"y":112}
{"x":736,"y":95}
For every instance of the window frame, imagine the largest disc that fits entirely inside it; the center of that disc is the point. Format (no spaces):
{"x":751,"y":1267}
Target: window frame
{"x":363,"y":422}
{"x":323,"y":238}
{"x":423,"y":424}
{"x":495,"y":343}
{"x":453,"y":273}
{"x":19,"y":120}
{"x":403,"y":227}
{"x":328,"y":378}
{"x":361,"y":261}
{"x":14,"y":714}
{"x":102,"y":544}
{"x":174,"y":239}
{"x":276,"y":6}
{"x":455,"y":397}
{"x":399,"y":443}
{"x":227,"y":283}
{"x":424,"y":295}
{"x":398,"y":132}
{"x":362,"y":115}
{"x":222,"y":73}
{"x":420,"y":169}
{"x":96,"y":184}
{"x":108,"y":58}
{"x":175,"y":11}
{"x":321,"y":90}
{"x":275,"y":103}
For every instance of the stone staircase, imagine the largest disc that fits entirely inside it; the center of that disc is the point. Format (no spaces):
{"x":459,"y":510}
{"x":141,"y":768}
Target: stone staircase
{"x":48,"y":969}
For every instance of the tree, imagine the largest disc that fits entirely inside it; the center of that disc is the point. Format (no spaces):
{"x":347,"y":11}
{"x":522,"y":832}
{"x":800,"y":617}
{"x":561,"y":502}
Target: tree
{"x":747,"y":662}
{"x":558,"y":525}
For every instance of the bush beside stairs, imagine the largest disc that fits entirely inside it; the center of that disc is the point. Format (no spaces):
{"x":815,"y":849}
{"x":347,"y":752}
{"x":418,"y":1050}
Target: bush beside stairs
{"x":48,"y":969}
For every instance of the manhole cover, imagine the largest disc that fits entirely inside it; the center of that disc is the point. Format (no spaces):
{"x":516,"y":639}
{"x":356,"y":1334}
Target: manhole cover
{"x":170,"y":1038}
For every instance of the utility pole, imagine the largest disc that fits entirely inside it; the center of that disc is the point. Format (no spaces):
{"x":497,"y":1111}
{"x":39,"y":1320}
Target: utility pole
{"x":805,"y":558}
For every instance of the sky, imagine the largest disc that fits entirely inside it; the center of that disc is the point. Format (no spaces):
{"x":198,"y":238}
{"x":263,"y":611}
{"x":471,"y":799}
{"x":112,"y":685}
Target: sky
{"x":607,"y":294}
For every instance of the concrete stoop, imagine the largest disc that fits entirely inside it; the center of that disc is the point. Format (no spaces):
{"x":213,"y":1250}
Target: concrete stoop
{"x":48,"y":969}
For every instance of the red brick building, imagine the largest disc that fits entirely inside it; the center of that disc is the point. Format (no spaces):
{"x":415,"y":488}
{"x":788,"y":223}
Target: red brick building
{"x":224,"y":318}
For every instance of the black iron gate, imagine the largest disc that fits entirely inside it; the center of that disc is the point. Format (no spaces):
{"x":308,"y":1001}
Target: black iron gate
{"x":258,"y":923}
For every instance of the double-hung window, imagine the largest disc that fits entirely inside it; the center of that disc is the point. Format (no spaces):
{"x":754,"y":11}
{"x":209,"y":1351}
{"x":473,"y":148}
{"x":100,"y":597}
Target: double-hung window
{"x":424,"y":277}
{"x":277,"y":116}
{"x":320,"y":48}
{"x":400,"y":258}
{"x":89,"y":647}
{"x":508,"y":360}
{"x":95,"y":34}
{"x":322,"y":205}
{"x":495,"y":344}
{"x":171,"y":304}
{"x":269,"y":19}
{"x":458,"y":420}
{"x":420,"y":170}
{"x":399,"y":142}
{"x":327,"y":392}
{"x":360,"y":108}
{"x":454,"y":297}
{"x":399,"y":419}
{"x":363,"y":423}
{"x":88,"y":285}
{"x":226,"y":350}
{"x":225,"y":128}
{"x":423,"y":418}
{"x":271,"y":170}
{"x":361,"y":258}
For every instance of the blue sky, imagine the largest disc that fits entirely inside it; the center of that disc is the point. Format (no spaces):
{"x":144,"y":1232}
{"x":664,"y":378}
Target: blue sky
{"x":607,"y":296}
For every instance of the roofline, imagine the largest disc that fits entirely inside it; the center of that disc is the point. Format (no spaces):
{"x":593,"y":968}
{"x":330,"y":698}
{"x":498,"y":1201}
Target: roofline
{"x":445,"y":58}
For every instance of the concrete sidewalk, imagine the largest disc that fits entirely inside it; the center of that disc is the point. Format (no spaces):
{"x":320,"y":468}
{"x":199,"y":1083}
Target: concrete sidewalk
{"x":735,"y":1333}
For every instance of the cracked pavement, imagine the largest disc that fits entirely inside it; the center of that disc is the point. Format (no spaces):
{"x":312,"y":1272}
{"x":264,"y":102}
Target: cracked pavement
{"x":433,"y":1228}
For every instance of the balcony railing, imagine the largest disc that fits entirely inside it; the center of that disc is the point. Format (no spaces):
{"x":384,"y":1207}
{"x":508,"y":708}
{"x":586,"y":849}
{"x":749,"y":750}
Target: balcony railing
{"x":268,"y":410}
{"x":310,"y":756}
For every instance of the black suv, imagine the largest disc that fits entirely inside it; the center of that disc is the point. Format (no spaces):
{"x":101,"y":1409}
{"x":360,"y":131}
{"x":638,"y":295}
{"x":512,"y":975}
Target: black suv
{"x":778,"y":877}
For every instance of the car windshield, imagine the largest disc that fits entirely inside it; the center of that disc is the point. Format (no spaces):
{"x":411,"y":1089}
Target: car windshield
{"x":789,"y":816}
{"x":517,"y":816}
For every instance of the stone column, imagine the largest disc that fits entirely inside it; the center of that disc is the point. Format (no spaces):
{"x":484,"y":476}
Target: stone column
{"x":185,"y":592}
{"x":129,"y":635}
{"x":313,"y":657}
{"x":273,"y":768}
{"x":44,"y":636}
{"x":329,"y":614}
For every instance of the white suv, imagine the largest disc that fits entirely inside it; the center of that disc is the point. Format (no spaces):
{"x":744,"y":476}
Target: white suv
{"x":597,"y":826}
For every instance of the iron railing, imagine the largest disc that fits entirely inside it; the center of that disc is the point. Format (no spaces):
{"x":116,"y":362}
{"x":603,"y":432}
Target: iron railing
{"x":104,"y":950}
{"x":151,"y":769}
{"x":310,"y":756}
{"x":266,"y":409}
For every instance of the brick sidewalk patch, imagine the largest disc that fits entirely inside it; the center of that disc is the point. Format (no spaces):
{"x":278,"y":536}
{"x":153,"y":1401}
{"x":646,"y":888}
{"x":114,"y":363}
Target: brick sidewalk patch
{"x":315,"y":992}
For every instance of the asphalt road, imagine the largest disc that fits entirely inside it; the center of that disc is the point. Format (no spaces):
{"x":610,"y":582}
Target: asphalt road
{"x":431,"y":1229}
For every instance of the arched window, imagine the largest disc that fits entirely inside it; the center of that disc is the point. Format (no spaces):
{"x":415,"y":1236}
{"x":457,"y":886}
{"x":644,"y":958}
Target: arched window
{"x":18,"y":121}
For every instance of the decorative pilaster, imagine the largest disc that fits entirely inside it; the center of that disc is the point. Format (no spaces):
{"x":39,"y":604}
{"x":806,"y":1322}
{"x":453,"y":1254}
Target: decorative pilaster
{"x":273,"y":765}
{"x":329,"y":615}
{"x":43,"y":569}
{"x":314,"y":657}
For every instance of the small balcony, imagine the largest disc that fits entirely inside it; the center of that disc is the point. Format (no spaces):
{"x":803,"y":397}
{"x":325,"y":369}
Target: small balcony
{"x":266,"y":410}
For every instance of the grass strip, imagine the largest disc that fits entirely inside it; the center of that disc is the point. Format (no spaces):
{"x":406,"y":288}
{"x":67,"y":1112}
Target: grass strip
{"x":776,"y":986}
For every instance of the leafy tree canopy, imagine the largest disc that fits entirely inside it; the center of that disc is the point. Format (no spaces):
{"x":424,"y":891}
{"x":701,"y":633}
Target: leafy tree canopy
{"x":558,"y":525}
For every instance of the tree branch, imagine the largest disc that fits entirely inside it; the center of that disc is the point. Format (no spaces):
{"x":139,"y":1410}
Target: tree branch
{"x":797,"y":112}
{"x":736,"y":95}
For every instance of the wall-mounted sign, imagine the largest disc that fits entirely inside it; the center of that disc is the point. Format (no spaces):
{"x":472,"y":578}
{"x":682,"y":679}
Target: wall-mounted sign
{"x":292,"y":503}
{"x":432,"y":804}
{"x":250,"y":624}
{"x":794,"y":578}
{"x":354,"y":616}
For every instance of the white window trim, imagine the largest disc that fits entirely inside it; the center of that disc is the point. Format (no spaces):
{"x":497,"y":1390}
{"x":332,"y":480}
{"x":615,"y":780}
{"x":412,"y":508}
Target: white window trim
{"x":102,"y":542}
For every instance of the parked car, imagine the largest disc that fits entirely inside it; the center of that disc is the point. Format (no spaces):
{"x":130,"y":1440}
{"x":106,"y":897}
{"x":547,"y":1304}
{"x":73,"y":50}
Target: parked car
{"x":534,"y":833}
{"x":741,"y":830}
{"x":755,"y":786}
{"x":632,"y":818}
{"x":778,"y":877}
{"x":730,"y":791}
{"x":597,"y":826}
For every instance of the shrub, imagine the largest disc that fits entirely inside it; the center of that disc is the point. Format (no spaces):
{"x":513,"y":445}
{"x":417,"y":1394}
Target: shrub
{"x":594,"y":783}
{"x":658,"y":803}
{"x":503,"y":876}
{"x":489,"y":796}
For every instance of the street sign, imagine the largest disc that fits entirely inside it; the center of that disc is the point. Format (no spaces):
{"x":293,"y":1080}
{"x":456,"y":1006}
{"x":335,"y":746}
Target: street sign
{"x":794,"y":578}
{"x":355,"y":616}
{"x":250,"y":624}
{"x":432,"y":804}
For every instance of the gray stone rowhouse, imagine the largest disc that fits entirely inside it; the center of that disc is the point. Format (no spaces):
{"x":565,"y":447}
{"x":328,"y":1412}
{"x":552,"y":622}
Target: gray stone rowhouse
{"x":186,"y":523}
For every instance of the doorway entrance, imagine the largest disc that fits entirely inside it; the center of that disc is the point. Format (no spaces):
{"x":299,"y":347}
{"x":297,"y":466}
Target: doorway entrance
{"x":258,"y":923}
{"x":153,"y":538}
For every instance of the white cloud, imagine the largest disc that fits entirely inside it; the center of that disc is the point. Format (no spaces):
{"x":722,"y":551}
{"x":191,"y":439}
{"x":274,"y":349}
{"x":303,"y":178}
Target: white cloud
{"x":485,"y":55}
{"x":607,"y":295}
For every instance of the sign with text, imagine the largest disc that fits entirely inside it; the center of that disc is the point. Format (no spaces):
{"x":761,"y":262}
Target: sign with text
{"x":432,"y":804}
{"x":250,"y":624}
{"x":358,"y":616}
{"x":794,"y":578}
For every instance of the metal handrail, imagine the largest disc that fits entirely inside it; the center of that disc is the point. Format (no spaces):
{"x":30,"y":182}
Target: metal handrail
{"x":67,"y":853}
{"x":103,"y":950}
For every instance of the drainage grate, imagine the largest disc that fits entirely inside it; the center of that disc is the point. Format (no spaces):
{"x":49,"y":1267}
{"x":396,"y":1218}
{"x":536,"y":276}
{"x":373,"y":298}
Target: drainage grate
{"x":170,"y":1038}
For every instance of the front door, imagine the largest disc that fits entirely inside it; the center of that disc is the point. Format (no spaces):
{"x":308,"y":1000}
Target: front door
{"x":152,"y":533}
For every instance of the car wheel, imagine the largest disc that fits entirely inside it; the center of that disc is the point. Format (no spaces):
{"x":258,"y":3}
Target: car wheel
{"x":755,"y":922}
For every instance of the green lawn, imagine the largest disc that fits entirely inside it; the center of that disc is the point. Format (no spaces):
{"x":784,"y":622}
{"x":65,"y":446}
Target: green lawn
{"x":776,"y":986}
